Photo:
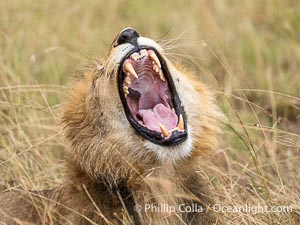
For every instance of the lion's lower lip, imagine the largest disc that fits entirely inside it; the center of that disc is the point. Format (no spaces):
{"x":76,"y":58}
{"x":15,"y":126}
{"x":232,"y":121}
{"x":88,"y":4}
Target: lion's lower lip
{"x":148,"y":97}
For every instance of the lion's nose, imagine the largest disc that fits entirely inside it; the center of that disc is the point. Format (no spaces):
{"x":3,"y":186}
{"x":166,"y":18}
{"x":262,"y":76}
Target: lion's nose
{"x":128,"y":35}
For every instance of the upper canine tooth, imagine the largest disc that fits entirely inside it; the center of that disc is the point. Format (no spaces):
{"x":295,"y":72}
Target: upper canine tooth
{"x":164,"y":130}
{"x":129,"y":68}
{"x":153,"y":56}
{"x":180,"y":123}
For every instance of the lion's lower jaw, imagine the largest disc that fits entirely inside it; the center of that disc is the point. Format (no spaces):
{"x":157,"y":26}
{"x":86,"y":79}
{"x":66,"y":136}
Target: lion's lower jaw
{"x":172,"y":154}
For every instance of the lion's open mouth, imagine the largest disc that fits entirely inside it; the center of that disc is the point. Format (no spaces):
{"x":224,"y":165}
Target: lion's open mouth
{"x":149,"y":98}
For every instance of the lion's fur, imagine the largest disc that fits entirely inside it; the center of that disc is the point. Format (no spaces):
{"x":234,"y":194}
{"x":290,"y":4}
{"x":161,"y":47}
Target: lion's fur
{"x":112,"y":168}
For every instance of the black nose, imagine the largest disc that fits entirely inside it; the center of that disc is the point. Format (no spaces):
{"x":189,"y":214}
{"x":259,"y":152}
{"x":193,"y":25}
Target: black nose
{"x":128,"y":35}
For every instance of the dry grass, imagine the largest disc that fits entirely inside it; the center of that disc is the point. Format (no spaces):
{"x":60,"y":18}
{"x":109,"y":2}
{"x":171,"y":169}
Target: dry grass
{"x":247,"y":51}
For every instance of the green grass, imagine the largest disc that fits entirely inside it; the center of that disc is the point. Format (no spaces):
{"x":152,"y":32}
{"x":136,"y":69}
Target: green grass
{"x":247,"y":51}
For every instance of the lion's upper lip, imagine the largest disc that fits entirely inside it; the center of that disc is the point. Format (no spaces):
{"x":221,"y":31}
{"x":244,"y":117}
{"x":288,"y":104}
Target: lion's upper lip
{"x":150,"y":99}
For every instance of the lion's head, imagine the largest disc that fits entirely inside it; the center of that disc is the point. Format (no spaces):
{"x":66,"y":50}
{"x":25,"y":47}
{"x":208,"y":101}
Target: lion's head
{"x":136,"y":110}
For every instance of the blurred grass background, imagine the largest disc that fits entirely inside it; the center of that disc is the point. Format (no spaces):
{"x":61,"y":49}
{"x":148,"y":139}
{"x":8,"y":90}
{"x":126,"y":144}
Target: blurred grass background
{"x":248,"y":52}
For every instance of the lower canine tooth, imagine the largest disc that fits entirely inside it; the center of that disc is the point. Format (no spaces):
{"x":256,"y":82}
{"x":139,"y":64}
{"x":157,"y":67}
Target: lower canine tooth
{"x":180,"y":123}
{"x":164,"y":131}
{"x":153,"y":56}
{"x":129,"y":68}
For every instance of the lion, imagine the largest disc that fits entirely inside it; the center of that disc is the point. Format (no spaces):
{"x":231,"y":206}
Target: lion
{"x":137,"y":126}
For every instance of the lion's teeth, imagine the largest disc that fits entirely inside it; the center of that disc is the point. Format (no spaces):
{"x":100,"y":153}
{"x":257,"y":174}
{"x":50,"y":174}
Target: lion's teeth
{"x":127,"y":80}
{"x":125,"y":90}
{"x":153,"y":56}
{"x":159,"y":72}
{"x":161,"y":75}
{"x":180,"y":123}
{"x":164,"y":131}
{"x":155,"y":68}
{"x":135,"y":56}
{"x":129,"y":68}
{"x":143,"y":53}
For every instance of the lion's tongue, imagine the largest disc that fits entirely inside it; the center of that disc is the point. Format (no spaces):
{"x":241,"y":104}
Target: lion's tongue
{"x":160,"y":114}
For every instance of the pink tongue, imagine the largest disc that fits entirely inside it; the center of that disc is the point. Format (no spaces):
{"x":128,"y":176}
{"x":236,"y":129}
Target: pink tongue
{"x":159,"y":114}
